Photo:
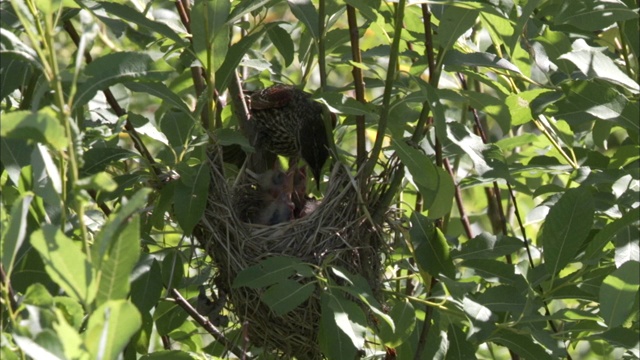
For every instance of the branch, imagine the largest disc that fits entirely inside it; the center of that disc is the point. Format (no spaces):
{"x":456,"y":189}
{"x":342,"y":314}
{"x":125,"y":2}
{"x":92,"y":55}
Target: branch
{"x":358,"y":81}
{"x":206,"y":324}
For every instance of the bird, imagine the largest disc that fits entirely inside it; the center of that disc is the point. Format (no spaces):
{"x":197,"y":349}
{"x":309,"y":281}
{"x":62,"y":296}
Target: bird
{"x":265,"y":200}
{"x":290,"y":123}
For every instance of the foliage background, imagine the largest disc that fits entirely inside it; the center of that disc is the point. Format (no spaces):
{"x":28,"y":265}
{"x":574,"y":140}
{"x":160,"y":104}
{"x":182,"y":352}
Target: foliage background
{"x":517,"y":122}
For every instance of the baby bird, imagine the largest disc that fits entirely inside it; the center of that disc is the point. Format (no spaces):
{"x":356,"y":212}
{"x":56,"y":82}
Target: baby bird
{"x":266,"y":202}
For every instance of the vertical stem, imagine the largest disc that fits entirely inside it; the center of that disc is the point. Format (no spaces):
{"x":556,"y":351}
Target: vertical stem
{"x":358,"y":80}
{"x":388,"y":88}
{"x":321,"y":49}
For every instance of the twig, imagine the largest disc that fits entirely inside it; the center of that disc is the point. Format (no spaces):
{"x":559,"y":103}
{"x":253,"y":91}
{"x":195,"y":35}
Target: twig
{"x":458,"y":196}
{"x":358,"y":81}
{"x":206,"y":324}
{"x":388,"y":88}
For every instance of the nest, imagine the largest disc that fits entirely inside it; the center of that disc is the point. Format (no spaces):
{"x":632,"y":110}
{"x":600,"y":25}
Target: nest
{"x":339,"y":229}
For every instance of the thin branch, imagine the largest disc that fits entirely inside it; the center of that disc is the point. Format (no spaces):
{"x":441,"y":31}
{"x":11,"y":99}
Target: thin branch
{"x":388,"y":88}
{"x":321,"y":42}
{"x":206,"y":324}
{"x":458,"y":196}
{"x":358,"y":81}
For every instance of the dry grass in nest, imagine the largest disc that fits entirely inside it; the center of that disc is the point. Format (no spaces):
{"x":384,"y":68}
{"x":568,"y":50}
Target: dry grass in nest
{"x":339,"y":229}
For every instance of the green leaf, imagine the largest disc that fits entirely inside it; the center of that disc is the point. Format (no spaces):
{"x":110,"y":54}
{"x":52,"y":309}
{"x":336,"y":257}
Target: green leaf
{"x":487,"y":246}
{"x":623,"y":337}
{"x":282,"y":41}
{"x":594,"y":248}
{"x":227,"y":137}
{"x":172,"y":269}
{"x":97,"y":159}
{"x":168,"y":316}
{"x":591,"y":97}
{"x":454,"y":23}
{"x":430,"y":247}
{"x":210,"y":31}
{"x":482,"y":59}
{"x":618,"y":293}
{"x":286,"y":295}
{"x":190,"y":196}
{"x":75,"y":277}
{"x":459,"y":347}
{"x":131,"y":14}
{"x":14,"y":154}
{"x":244,"y":7}
{"x":270,"y":271}
{"x":117,"y":68}
{"x":404,"y":319}
{"x":566,"y":227}
{"x":349,"y":318}
{"x":487,"y":159}
{"x":522,"y":345}
{"x":113,"y":281}
{"x":110,"y":327}
{"x":334,"y":343}
{"x":503,"y":298}
{"x":35,"y":350}
{"x":233,"y":56}
{"x":16,"y":232}
{"x":520,"y":106}
{"x":118,"y":221}
{"x":38,"y":295}
{"x":435,"y":185}
{"x":42,"y":126}
{"x":178,"y":127}
{"x":596,"y":65}
{"x":593,"y":15}
{"x":146,"y":284}
{"x":160,"y":91}
{"x":627,"y":245}
{"x":168,"y":355}
{"x":307,"y":14}
{"x":48,"y":183}
{"x":492,"y":270}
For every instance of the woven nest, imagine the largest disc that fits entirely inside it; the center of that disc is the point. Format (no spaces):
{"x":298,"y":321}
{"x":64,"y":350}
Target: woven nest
{"x":339,"y":230}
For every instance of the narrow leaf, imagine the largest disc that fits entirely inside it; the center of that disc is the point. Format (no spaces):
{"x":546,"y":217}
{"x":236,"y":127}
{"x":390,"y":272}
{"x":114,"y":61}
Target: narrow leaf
{"x":110,"y":328}
{"x":190,"y":196}
{"x":75,"y":277}
{"x":430,"y":247}
{"x":618,"y":293}
{"x":287,"y":295}
{"x":566,"y":227}
{"x":42,"y":126}
{"x":16,"y":232}
{"x":307,"y":14}
{"x":113,"y":282}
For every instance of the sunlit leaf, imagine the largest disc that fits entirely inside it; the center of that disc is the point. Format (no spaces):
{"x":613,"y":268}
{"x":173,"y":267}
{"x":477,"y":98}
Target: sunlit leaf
{"x":618,"y":293}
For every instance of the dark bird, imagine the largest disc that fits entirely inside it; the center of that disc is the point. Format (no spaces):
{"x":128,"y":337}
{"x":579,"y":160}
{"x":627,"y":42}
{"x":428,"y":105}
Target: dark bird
{"x":289,"y":123}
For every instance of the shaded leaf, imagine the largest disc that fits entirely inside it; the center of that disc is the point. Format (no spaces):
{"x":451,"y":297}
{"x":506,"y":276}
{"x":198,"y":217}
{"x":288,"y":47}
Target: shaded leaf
{"x":594,"y":64}
{"x":271,"y":270}
{"x":131,"y":14}
{"x":16,"y":232}
{"x":454,"y":23}
{"x":333,"y":342}
{"x":566,"y":227}
{"x":42,"y":126}
{"x":282,"y":41}
{"x":404,"y":319}
{"x":482,"y":59}
{"x":75,"y":277}
{"x":110,"y":328}
{"x":307,"y":14}
{"x":286,"y":295}
{"x":430,"y":247}
{"x":487,"y":246}
{"x":113,"y":279}
{"x":618,"y":293}
{"x":435,"y":185}
{"x":520,"y":344}
{"x":190,"y":196}
{"x":116,"y":68}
